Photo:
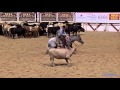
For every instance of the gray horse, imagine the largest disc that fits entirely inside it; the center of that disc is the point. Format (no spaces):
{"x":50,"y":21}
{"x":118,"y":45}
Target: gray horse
{"x":76,"y":38}
{"x":52,"y":43}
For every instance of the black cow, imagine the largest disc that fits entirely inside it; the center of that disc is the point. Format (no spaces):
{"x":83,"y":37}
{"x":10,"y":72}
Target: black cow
{"x":52,"y":30}
{"x":17,"y":30}
{"x":44,"y":25}
{"x":74,"y":28}
{"x":1,"y":32}
{"x":42,"y":32}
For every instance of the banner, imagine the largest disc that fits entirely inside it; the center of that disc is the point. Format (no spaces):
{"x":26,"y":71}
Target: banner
{"x":97,"y":17}
{"x":27,"y":16}
{"x":8,"y":16}
{"x":48,"y":16}
{"x":114,"y":16}
{"x":65,"y":16}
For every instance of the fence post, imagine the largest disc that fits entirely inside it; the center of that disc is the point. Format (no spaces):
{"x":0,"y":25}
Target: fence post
{"x":74,"y":17}
{"x":38,"y":17}
{"x":35,"y":16}
{"x":18,"y":16}
{"x":108,"y":24}
{"x":57,"y":17}
{"x":105,"y":27}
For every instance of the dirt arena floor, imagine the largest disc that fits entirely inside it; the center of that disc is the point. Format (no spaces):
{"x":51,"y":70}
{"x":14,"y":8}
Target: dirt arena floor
{"x":99,"y":57}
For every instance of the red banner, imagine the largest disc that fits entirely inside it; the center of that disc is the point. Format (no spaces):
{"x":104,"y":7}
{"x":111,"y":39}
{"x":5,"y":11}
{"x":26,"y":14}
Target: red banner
{"x":114,"y":16}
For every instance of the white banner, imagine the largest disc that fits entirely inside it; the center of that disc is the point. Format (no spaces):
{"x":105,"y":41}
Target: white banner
{"x":97,"y":17}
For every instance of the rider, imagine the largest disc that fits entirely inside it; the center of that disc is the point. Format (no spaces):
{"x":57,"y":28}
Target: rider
{"x":61,"y":34}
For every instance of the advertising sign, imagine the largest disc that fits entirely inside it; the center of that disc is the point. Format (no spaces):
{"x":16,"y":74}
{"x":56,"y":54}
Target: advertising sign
{"x":27,"y":16}
{"x":114,"y":16}
{"x":8,"y":16}
{"x":65,"y":16}
{"x":97,"y":17}
{"x":48,"y":16}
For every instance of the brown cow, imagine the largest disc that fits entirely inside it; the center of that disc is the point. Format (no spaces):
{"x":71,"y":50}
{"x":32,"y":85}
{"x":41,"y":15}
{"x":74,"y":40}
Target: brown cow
{"x":31,"y":30}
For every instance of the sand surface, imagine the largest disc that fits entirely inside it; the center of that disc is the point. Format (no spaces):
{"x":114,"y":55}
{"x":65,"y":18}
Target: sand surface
{"x":99,"y":57}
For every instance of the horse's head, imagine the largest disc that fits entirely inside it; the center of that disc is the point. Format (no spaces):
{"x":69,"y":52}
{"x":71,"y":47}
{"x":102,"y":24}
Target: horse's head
{"x":79,"y":39}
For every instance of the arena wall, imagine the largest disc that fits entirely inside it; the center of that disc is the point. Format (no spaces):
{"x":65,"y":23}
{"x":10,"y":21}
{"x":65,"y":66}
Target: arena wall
{"x":91,"y":21}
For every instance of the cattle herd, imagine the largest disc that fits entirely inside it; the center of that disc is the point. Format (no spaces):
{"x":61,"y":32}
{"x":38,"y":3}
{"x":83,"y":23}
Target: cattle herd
{"x":28,"y":30}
